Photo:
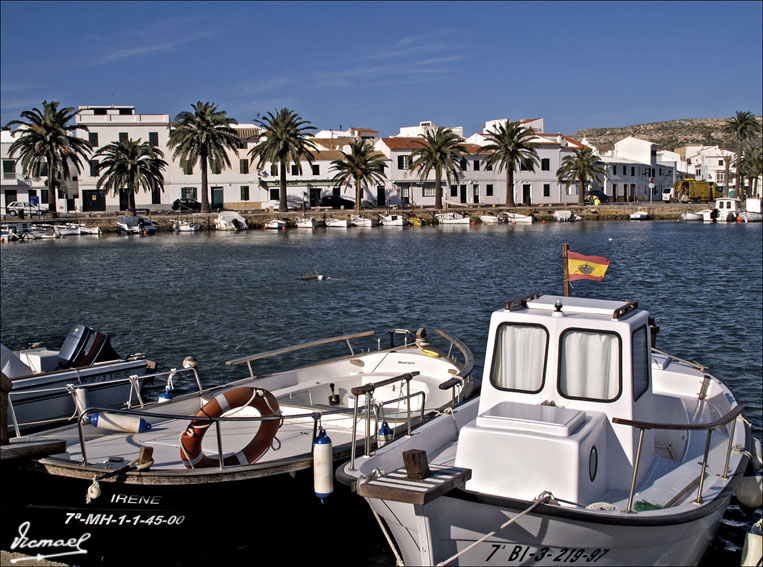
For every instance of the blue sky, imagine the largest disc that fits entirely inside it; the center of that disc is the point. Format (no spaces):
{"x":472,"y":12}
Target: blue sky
{"x":384,"y":65}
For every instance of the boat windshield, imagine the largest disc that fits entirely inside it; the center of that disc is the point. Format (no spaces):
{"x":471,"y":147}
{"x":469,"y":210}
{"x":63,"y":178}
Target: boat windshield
{"x":519,"y":358}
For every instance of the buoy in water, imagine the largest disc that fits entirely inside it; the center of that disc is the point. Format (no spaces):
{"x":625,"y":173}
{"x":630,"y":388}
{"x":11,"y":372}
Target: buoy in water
{"x":323,"y":466}
{"x":752,"y":552}
{"x":119,"y":422}
{"x":385,"y":435}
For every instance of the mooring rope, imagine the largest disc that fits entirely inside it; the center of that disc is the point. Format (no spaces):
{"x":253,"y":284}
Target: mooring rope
{"x":542,"y":499}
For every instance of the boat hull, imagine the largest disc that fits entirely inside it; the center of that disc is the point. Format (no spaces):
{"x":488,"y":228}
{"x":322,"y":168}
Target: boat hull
{"x":177,"y":524}
{"x":547,"y":536}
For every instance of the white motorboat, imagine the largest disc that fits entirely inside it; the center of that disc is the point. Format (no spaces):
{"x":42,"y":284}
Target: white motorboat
{"x":452,"y":218}
{"x":566,"y":216}
{"x":357,"y":220}
{"x":639,"y":215}
{"x":47,"y":382}
{"x":230,"y":221}
{"x":490,"y":219}
{"x":516,"y":218}
{"x":136,"y":224}
{"x":68,"y":229}
{"x":259,"y":436}
{"x":337,"y":223}
{"x":585,"y":444}
{"x":392,"y":220}
{"x":730,"y":209}
{"x":186,"y":226}
{"x":306,"y":222}
{"x":276,"y":224}
{"x":689,"y":216}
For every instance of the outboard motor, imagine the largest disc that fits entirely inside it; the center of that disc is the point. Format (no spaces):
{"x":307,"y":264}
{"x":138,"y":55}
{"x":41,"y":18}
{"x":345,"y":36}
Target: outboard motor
{"x":73,"y":345}
{"x":84,"y":346}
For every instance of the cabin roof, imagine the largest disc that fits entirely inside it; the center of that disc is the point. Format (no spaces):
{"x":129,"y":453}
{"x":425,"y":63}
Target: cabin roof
{"x":575,"y":305}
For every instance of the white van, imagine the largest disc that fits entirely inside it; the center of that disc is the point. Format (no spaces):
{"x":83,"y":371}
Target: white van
{"x":667,"y":194}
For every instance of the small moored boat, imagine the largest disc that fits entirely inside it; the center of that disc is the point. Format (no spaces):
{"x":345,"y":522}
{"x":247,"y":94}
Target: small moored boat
{"x":452,"y":218}
{"x":337,"y":223}
{"x":186,"y":226}
{"x":276,"y":224}
{"x":517,"y":218}
{"x":230,"y":221}
{"x":357,"y":220}
{"x":639,"y":215}
{"x":490,"y":219}
{"x":586,"y":443}
{"x":127,"y":224}
{"x":566,"y":216}
{"x":197,"y":457}
{"x":392,"y":220}
{"x":306,"y":222}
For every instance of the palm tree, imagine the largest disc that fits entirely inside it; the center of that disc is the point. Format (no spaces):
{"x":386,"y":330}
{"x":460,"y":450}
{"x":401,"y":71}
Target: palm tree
{"x":509,"y":146}
{"x":743,"y":126}
{"x":360,"y":164}
{"x":203,"y":136}
{"x":286,"y":142}
{"x":131,"y":165}
{"x":441,"y":151}
{"x":752,"y":165}
{"x":47,"y":139}
{"x":583,"y":166}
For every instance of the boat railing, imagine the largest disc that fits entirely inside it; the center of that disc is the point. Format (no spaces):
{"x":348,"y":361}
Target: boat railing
{"x":465,"y":374}
{"x":78,"y":392}
{"x":316,"y":416}
{"x":642,"y":426}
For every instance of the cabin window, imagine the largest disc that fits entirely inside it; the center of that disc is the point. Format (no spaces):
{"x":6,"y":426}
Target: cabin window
{"x":640,"y":362}
{"x":519,"y":357}
{"x":589,"y":365}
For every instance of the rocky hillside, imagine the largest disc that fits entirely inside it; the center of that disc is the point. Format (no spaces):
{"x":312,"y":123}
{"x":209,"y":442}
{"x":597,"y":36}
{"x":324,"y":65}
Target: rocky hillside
{"x":667,"y":135}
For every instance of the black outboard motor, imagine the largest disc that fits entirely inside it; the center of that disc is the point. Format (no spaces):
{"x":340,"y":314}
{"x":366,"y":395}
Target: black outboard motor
{"x":84,"y":346}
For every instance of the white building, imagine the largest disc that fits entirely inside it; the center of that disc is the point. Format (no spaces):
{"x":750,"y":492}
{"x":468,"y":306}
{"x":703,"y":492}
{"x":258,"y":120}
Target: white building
{"x":709,"y":163}
{"x":634,"y":172}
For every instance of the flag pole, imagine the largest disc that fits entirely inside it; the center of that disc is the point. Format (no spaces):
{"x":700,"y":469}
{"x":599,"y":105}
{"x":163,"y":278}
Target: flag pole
{"x":565,"y":248}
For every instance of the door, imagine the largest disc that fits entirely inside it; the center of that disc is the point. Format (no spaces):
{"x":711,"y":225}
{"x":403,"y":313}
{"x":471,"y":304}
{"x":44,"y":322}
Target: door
{"x":462,"y":193}
{"x":381,"y":196}
{"x":217,"y":198}
{"x":124,"y":200}
{"x":526,"y":194}
{"x":315,"y":196}
{"x":94,"y":201}
{"x":476,"y":192}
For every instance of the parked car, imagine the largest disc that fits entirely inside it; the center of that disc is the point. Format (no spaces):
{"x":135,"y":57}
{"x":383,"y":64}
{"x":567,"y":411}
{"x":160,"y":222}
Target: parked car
{"x":15,"y":207}
{"x":336,"y":202}
{"x":186,"y":205}
{"x":603,"y":197}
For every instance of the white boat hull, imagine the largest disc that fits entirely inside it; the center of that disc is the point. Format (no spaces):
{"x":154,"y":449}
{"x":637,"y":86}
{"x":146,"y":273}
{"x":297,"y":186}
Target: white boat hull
{"x":516,"y":218}
{"x":337,"y":223}
{"x":538,"y":538}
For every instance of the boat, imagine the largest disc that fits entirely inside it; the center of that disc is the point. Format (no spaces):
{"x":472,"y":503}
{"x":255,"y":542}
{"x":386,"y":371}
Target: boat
{"x":186,"y":226}
{"x":490,"y":219}
{"x":46,"y":382}
{"x":414,"y":221}
{"x":639,"y":215}
{"x":94,"y":230}
{"x":230,"y":221}
{"x":566,"y":216}
{"x":730,"y":209}
{"x":167,"y":462}
{"x":517,"y":218}
{"x":68,"y":229}
{"x":129,"y":224}
{"x":689,"y":216}
{"x":337,"y":223}
{"x":585,"y":444}
{"x":392,"y":220}
{"x":452,"y":218}
{"x":357,"y":220}
{"x":306,"y":222}
{"x":276,"y":224}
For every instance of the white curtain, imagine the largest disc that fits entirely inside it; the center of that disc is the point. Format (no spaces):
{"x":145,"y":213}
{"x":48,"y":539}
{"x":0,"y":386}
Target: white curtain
{"x":520,"y":353}
{"x":590,"y":365}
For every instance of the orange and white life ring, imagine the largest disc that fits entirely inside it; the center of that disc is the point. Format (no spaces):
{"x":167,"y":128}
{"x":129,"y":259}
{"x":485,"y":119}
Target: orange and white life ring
{"x":261,"y":400}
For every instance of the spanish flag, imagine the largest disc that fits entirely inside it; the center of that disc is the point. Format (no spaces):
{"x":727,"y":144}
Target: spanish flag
{"x":581,"y":267}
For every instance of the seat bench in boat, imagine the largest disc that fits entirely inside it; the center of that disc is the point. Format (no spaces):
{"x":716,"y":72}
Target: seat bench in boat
{"x":396,"y":485}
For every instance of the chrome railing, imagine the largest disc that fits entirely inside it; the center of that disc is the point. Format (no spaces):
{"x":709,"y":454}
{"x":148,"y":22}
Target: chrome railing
{"x":642,"y":426}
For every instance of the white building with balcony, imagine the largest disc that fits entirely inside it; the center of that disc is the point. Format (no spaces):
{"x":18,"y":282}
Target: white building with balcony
{"x":634,"y":172}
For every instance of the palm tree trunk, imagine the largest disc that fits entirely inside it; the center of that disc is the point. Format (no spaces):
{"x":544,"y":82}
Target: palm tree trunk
{"x":581,"y":192}
{"x":357,"y":195}
{"x":740,"y":181}
{"x":51,"y":188}
{"x":282,"y":192}
{"x":204,"y":183}
{"x":437,"y":190}
{"x":510,"y":187}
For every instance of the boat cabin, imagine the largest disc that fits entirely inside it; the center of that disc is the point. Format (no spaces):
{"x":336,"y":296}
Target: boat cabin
{"x":557,"y":370}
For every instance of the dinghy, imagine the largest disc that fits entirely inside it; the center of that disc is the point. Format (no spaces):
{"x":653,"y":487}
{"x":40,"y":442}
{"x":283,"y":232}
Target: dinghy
{"x":586,"y":445}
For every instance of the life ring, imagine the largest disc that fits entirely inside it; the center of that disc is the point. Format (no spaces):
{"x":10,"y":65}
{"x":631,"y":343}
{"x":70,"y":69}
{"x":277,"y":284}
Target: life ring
{"x":261,"y":400}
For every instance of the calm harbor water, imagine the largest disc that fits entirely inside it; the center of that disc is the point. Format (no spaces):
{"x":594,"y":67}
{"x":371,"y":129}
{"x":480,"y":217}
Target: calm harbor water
{"x":220,"y":296}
